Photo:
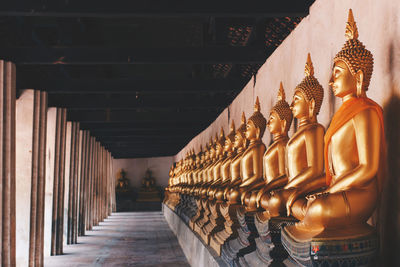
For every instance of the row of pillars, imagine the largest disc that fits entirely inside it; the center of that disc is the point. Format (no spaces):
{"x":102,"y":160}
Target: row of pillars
{"x":55,"y":179}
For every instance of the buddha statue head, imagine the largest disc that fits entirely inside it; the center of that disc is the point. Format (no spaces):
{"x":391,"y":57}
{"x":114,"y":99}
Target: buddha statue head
{"x":211,"y":149}
{"x":308,"y":95}
{"x":207,"y":154}
{"x":230,"y":139}
{"x":353,"y":65}
{"x":240,"y":142}
{"x":198,"y":158}
{"x":256,"y":124}
{"x":280,"y":116}
{"x":220,"y":144}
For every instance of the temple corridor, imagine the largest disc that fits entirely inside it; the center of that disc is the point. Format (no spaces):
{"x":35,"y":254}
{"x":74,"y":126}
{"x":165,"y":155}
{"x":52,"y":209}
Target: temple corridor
{"x":124,"y":239}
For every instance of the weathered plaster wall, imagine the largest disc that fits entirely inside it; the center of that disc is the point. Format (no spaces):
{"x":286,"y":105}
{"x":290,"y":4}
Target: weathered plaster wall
{"x":136,"y":168}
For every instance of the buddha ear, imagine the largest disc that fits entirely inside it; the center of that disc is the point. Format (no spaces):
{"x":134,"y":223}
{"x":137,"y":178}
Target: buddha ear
{"x":258,"y":131}
{"x":360,"y":81}
{"x":283,"y":125}
{"x":311,"y":108}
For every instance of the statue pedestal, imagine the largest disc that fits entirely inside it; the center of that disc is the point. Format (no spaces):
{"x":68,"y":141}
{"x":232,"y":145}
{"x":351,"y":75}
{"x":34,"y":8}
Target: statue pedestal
{"x":269,"y":250}
{"x":232,"y":251}
{"x":360,"y":251}
{"x":231,"y":224}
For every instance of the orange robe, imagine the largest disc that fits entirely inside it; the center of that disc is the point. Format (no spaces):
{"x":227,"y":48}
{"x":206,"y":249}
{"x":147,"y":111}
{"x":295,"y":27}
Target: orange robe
{"x":346,"y":112}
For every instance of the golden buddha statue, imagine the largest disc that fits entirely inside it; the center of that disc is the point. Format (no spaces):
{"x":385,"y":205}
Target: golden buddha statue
{"x":232,"y":193}
{"x":196,"y":169}
{"x":304,"y":150}
{"x":251,"y":166}
{"x":220,"y":157}
{"x":226,"y":164}
{"x":274,"y":167}
{"x":354,"y":153}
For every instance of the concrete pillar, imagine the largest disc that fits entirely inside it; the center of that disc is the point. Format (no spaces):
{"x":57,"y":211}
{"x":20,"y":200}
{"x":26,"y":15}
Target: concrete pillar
{"x":50,"y":160}
{"x":69,"y":162}
{"x":79,"y":158}
{"x":83,"y":183}
{"x":27,"y":152}
{"x":30,"y":146}
{"x":58,"y":185}
{"x":73,"y":182}
{"x":7,"y":163}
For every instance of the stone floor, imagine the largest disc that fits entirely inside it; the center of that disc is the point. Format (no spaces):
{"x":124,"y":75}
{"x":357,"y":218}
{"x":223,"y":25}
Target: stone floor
{"x":125,"y":239}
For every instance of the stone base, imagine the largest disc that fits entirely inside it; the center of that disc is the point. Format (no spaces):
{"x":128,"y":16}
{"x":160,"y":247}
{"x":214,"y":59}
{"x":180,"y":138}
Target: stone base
{"x":269,"y":250}
{"x":196,"y":252}
{"x":359,"y":251}
{"x":233,"y":251}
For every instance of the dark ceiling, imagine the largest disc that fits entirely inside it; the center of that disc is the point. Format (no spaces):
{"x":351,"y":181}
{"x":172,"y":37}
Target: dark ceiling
{"x":144,"y":77}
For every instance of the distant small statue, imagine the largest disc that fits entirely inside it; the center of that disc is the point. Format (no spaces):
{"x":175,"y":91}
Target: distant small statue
{"x":122,"y":182}
{"x":148,"y":181}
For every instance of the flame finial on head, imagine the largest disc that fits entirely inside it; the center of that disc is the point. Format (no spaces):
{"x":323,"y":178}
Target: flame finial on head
{"x":231,"y":135}
{"x":257,"y":107}
{"x":243,"y":118}
{"x":281,"y":93}
{"x":309,"y":69}
{"x":351,"y":27}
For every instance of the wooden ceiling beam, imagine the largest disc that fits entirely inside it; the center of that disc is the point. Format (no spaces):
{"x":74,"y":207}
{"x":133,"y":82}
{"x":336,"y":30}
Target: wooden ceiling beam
{"x":126,"y":56}
{"x":155,"y":8}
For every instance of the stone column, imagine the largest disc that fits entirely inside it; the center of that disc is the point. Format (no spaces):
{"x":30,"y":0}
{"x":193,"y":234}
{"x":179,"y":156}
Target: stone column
{"x":30,"y":162}
{"x":27,"y":155}
{"x":58,"y":184}
{"x":83,"y":184}
{"x":50,"y":146}
{"x":74,"y":182}
{"x":67,"y":182}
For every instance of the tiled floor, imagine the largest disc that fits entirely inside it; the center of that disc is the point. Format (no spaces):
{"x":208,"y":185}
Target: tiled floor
{"x":125,"y":239}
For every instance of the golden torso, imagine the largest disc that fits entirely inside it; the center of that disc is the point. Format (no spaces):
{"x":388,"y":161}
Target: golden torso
{"x":217,"y":170}
{"x":344,"y":153}
{"x":273,"y":159}
{"x":235,"y":167}
{"x":299,"y":149}
{"x":251,"y":157}
{"x":225,"y":169}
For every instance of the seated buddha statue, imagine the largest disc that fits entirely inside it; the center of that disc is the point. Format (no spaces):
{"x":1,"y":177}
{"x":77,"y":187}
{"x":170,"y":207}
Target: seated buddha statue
{"x":210,"y":153}
{"x":210,"y":169}
{"x":304,"y":150}
{"x":251,"y":166}
{"x":232,"y":193}
{"x":220,"y":157}
{"x":226,"y":164}
{"x":354,"y":153}
{"x":274,"y":167}
{"x":196,"y":170}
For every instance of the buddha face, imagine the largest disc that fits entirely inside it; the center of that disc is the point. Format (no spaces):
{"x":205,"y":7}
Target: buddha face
{"x":228,"y":145}
{"x":299,"y":106}
{"x":274,"y":123}
{"x":219,"y":150}
{"x":342,"y":81}
{"x":252,"y":131}
{"x":212,"y":152}
{"x":239,"y":141}
{"x":206,"y":155}
{"x":198,"y":160}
